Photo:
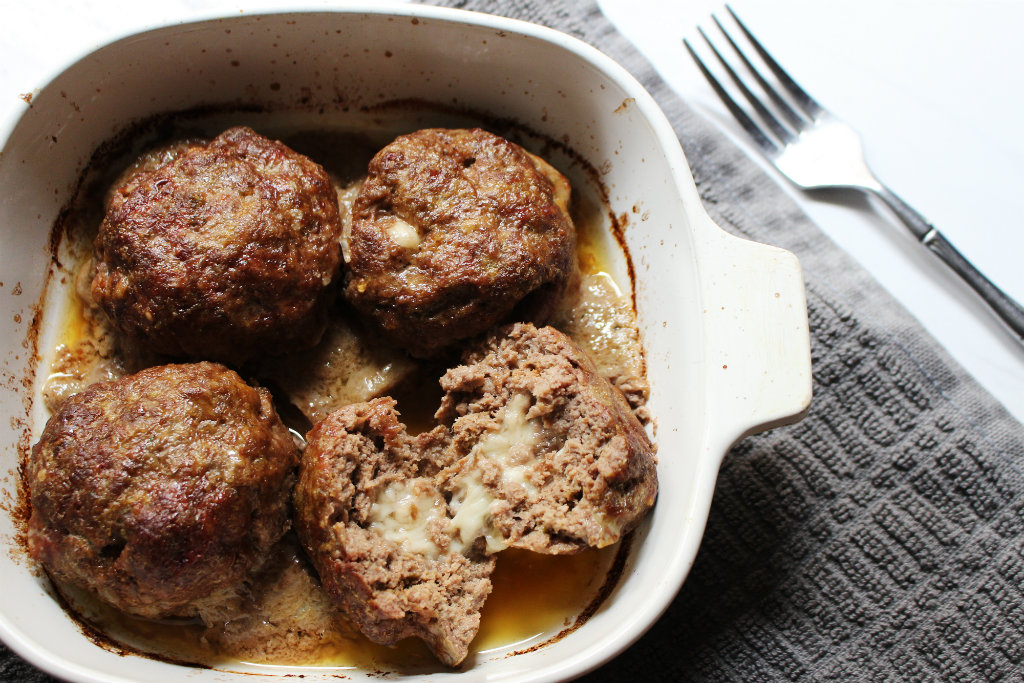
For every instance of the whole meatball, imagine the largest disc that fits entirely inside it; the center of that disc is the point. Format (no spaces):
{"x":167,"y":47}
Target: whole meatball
{"x":220,"y":250}
{"x":160,"y":491}
{"x":451,"y":231}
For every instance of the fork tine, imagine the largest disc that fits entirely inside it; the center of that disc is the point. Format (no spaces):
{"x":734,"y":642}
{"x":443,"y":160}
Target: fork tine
{"x":780,"y":131}
{"x":808,"y":104}
{"x":763,"y":141}
{"x":794,"y":119}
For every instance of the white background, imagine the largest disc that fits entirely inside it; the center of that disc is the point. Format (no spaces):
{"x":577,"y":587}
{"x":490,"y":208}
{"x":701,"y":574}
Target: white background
{"x":934,"y":87}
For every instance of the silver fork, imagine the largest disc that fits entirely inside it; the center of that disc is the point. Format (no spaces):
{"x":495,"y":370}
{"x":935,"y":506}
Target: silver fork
{"x":815,"y":150}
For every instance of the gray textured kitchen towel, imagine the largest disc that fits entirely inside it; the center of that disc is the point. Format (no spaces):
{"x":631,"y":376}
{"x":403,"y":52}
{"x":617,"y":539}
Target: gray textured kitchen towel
{"x":881,"y":538}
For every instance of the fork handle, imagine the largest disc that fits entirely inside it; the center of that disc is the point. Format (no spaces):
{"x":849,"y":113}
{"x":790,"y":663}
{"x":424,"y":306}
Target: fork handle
{"x":1009,"y":311}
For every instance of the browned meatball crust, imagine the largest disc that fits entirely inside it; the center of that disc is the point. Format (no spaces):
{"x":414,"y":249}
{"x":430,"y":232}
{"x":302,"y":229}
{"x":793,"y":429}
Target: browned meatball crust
{"x":357,"y":461}
{"x":554,"y":444}
{"x":453,"y":229}
{"x":160,"y":491}
{"x":220,"y":250}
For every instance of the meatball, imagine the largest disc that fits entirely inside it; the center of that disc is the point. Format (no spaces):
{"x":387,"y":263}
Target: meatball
{"x":220,"y":250}
{"x":161,"y":491}
{"x":547,"y":445}
{"x":376,"y":528}
{"x":451,"y":232}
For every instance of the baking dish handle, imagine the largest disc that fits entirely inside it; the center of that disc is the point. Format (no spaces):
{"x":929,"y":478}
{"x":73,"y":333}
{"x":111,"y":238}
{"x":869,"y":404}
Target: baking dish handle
{"x":758,"y":357}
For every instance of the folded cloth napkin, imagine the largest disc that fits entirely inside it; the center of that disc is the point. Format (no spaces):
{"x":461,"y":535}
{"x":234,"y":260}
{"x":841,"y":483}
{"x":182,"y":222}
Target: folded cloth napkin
{"x":881,"y":538}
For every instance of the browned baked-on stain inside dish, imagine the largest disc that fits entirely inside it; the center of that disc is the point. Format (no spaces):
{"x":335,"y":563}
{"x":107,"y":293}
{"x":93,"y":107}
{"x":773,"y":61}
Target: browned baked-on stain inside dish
{"x":284,"y":616}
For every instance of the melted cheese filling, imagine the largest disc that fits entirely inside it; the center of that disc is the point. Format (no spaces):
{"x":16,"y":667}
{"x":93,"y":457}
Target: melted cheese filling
{"x":403,"y":234}
{"x":409,"y":512}
{"x":404,"y":512}
{"x":471,"y":503}
{"x":511,"y":448}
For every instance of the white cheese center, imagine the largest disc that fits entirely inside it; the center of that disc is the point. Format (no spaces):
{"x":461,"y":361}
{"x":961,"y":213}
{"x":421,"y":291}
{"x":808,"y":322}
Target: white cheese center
{"x":406,"y":512}
{"x":403,"y":234}
{"x":403,"y":511}
{"x":471,"y":503}
{"x":511,"y":448}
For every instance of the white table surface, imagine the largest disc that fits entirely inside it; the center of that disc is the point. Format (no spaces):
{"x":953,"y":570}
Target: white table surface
{"x":934,"y":87}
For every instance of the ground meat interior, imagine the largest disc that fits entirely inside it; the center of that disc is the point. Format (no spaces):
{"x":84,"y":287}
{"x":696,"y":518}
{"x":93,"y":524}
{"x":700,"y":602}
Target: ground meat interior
{"x":548,"y":444}
{"x":374,"y":523}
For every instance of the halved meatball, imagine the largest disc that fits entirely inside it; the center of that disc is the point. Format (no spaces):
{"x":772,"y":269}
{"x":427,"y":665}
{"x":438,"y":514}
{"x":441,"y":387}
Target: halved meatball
{"x":376,"y":528}
{"x":220,"y":250}
{"x":546,"y":444}
{"x":453,"y":230}
{"x":161,"y":491}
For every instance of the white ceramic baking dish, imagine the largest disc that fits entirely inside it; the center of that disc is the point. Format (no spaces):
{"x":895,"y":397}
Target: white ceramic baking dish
{"x":723,"y":319}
